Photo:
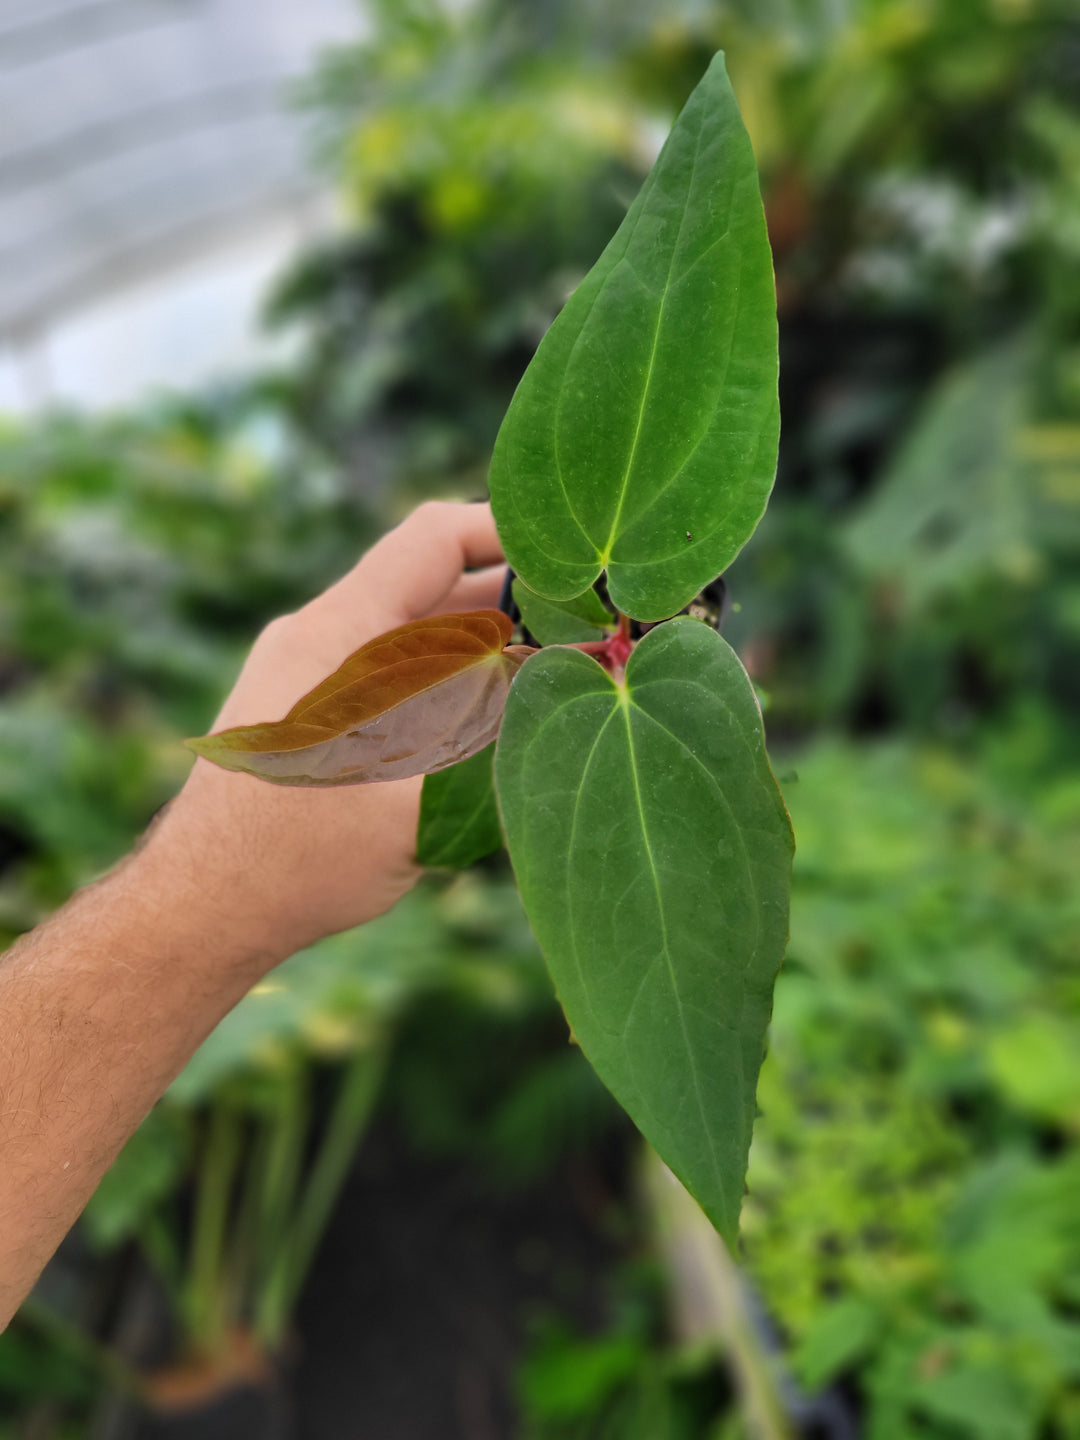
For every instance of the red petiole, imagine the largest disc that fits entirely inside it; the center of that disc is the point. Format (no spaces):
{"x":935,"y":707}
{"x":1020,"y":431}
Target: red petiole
{"x":614,"y":652}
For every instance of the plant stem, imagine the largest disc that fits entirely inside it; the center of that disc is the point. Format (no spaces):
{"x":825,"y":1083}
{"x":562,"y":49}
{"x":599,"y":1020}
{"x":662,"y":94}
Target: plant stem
{"x":347,"y":1121}
{"x":244,"y":1254}
{"x":709,"y":1300}
{"x":278,"y":1171}
{"x":159,"y":1242}
{"x":217,"y":1168}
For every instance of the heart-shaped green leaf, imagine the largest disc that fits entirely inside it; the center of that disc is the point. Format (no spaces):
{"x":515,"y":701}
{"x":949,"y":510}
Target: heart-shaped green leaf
{"x":563,"y":622}
{"x":459,"y":819}
{"x":412,"y":701}
{"x":642,"y":438}
{"x":653,"y":853}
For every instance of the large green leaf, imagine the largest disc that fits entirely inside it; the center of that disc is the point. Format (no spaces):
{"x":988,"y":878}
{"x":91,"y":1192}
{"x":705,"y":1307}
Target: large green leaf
{"x":642,"y":438}
{"x":459,"y":819}
{"x":653,"y":853}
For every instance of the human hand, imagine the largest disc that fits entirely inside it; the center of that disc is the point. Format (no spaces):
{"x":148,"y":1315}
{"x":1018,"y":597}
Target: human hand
{"x":279,"y":867}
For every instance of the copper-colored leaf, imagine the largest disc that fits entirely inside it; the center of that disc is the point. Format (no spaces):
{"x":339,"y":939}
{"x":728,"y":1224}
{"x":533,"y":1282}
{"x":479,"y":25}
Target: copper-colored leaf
{"x":410,"y":702}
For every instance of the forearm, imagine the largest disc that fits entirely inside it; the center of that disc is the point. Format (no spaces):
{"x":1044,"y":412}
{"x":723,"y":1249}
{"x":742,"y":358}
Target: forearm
{"x":99,"y":1010}
{"x":101,"y":1007}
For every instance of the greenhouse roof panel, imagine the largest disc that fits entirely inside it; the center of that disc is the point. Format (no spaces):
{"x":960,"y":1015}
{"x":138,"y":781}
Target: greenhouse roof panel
{"x":133,"y":130}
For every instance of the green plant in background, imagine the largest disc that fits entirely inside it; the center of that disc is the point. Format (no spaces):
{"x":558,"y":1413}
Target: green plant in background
{"x":485,"y":170}
{"x":914,"y":1178}
{"x":138,"y":553}
{"x":647,"y":833}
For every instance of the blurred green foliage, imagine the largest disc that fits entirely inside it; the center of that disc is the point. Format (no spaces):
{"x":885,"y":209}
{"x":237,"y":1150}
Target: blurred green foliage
{"x":915,"y":1174}
{"x":137,"y":557}
{"x":910,"y":609}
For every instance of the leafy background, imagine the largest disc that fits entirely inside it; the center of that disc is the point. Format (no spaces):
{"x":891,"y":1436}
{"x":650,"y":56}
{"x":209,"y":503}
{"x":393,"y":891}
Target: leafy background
{"x":910,"y":611}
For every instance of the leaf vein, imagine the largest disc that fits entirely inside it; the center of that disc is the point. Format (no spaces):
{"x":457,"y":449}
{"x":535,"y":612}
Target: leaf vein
{"x":707,"y":1129}
{"x":727,"y":806}
{"x":570,"y":858}
{"x":625,"y":485}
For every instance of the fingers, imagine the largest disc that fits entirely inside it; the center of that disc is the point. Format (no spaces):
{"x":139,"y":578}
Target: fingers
{"x":413,"y":569}
{"x":479,"y":591}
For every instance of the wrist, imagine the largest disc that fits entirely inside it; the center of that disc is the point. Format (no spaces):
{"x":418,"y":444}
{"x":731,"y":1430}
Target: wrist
{"x":191,"y":909}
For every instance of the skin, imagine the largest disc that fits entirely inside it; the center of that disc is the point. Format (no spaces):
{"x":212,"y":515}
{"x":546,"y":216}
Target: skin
{"x":103,"y":1005}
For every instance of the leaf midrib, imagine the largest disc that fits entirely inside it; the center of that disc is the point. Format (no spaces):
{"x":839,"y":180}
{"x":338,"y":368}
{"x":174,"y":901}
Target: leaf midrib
{"x":570,"y":855}
{"x":751,"y":878}
{"x":625,"y":705}
{"x":625,"y":484}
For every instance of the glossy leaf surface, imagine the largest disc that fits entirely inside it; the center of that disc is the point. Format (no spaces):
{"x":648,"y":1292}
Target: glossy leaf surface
{"x":412,"y":701}
{"x":642,"y":438}
{"x":563,"y":622}
{"x":653,"y":853}
{"x":459,"y":819}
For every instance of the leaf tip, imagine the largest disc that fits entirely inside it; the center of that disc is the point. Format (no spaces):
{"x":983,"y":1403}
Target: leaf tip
{"x":208,"y":747}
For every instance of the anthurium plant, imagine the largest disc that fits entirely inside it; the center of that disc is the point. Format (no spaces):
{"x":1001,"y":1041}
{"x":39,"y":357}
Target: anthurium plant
{"x":629,"y":777}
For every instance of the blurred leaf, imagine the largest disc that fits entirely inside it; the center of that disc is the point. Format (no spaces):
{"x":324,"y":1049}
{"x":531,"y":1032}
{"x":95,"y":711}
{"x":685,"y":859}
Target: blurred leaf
{"x":459,"y":818}
{"x":559,"y":1107}
{"x":1035,"y":1062}
{"x":421,"y":697}
{"x":43,"y":1366}
{"x":840,"y":1334}
{"x":652,"y":850}
{"x":658,"y":376}
{"x":1013,"y":1240}
{"x":986,"y":1402}
{"x":953,"y":505}
{"x":566,"y":1376}
{"x":146,"y":1170}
